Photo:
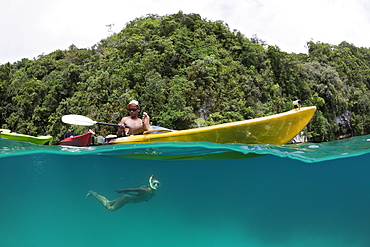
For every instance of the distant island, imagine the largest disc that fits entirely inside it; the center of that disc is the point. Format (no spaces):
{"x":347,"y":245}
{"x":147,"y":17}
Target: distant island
{"x":187,"y":71}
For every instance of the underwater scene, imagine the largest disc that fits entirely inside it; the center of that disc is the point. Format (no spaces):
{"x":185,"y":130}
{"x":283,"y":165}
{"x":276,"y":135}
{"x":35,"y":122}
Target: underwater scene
{"x":309,"y":194}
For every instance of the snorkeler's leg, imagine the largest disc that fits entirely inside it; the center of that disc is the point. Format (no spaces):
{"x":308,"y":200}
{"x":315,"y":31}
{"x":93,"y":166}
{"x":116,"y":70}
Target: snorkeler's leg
{"x":90,"y":193}
{"x":110,"y":205}
{"x":104,"y":201}
{"x":119,"y":202}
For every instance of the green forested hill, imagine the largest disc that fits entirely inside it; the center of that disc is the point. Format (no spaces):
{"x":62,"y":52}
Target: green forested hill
{"x":186,"y":72}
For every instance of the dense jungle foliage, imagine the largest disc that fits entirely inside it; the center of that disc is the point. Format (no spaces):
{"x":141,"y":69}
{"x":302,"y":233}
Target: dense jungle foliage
{"x":187,"y":71}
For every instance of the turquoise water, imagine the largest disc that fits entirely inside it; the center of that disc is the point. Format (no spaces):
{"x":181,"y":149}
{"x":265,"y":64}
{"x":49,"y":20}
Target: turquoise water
{"x":294,"y":195}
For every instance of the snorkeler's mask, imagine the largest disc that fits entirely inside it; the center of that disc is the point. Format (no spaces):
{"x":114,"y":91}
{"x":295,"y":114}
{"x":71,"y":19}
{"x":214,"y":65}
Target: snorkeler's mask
{"x":154,"y":183}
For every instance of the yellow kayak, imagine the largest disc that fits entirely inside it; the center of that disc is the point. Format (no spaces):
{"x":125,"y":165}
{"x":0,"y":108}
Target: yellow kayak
{"x":275,"y":129}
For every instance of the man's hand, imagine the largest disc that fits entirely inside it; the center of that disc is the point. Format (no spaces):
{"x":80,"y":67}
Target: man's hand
{"x":145,"y":115}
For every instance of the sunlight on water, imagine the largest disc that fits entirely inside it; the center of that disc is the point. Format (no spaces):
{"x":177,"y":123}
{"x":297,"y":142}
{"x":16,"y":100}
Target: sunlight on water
{"x":293,"y":195}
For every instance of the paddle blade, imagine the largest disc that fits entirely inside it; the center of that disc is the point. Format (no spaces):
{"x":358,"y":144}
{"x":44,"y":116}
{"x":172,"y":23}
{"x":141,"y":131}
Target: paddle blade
{"x":78,"y":120}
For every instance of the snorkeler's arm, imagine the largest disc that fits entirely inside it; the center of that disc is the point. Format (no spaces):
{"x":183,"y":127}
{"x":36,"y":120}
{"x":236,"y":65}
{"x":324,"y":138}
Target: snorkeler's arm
{"x":138,"y":190}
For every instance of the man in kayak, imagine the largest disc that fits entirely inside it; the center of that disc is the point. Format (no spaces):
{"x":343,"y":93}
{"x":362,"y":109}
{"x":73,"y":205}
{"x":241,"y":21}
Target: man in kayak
{"x":136,"y":125}
{"x":135,"y":195}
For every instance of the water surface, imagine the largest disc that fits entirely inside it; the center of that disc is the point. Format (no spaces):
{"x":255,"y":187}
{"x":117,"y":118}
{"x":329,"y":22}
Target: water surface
{"x":211,"y":195}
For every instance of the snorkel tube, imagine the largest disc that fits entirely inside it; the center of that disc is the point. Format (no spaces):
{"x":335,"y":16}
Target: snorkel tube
{"x":154,"y":184}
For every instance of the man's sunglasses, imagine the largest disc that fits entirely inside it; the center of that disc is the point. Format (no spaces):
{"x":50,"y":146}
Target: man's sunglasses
{"x":132,"y":109}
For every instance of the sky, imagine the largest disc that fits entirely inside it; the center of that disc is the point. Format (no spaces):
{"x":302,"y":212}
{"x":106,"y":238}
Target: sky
{"x":32,"y":28}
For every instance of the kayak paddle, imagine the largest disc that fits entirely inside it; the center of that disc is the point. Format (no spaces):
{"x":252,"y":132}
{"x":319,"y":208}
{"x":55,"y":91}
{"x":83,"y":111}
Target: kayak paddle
{"x":84,"y":121}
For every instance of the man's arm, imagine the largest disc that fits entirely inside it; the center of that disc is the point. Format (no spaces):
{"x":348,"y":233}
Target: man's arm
{"x":146,"y":122}
{"x":121,"y":129}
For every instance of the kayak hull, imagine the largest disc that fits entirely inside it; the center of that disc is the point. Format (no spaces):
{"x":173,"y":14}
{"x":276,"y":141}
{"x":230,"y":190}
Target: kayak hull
{"x":275,"y":129}
{"x":78,"y":141}
{"x":27,"y":138}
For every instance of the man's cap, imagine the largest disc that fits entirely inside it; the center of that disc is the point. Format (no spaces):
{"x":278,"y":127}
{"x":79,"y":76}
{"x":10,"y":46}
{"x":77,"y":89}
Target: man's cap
{"x":134,"y":102}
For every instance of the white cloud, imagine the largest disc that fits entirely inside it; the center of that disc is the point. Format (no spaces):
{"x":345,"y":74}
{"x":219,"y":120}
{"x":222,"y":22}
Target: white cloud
{"x":30,"y":28}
